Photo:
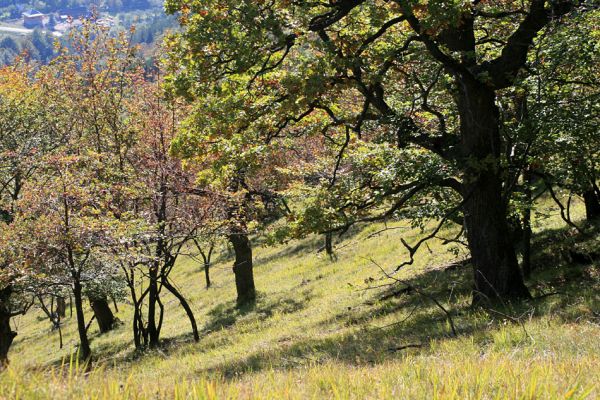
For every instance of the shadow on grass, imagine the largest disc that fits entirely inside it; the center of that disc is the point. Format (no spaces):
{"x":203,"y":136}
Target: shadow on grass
{"x":227,"y":314}
{"x":369,"y":333}
{"x":362,"y":338}
{"x":296,"y":248}
{"x":314,"y":244}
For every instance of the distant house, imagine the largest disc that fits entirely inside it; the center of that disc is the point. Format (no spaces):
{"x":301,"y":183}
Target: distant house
{"x":107,"y":22}
{"x":33,"y":19}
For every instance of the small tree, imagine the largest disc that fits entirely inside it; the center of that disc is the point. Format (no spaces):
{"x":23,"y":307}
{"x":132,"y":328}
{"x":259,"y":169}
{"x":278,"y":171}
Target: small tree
{"x":65,"y":232}
{"x":168,"y":203}
{"x":27,"y":133}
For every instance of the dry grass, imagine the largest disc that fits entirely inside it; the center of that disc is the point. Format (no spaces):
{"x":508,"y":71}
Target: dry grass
{"x":319,"y":330}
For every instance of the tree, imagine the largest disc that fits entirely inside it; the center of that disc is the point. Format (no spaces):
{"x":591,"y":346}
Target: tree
{"x":70,"y":228}
{"x":206,"y":253}
{"x":64,"y":231}
{"x":168,"y":203}
{"x":428,"y":75}
{"x":206,"y":236}
{"x":94,"y":81}
{"x":25,"y":136}
{"x":242,"y":186}
{"x":563,"y":102}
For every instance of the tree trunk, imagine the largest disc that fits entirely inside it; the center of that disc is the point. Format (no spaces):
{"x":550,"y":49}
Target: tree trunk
{"x":206,"y":257}
{"x":103,"y":313}
{"x":153,"y":331}
{"x":115,"y":304}
{"x":329,"y":244}
{"x":140,"y":333}
{"x":592,"y":204}
{"x":6,"y":334}
{"x":242,"y":268}
{"x":84,"y":345}
{"x":186,"y":307}
{"x":207,"y":274}
{"x":61,"y":307}
{"x":496,"y":270}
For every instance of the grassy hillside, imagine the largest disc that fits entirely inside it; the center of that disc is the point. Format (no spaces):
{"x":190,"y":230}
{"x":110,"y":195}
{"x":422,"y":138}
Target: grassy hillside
{"x":320,"y":329}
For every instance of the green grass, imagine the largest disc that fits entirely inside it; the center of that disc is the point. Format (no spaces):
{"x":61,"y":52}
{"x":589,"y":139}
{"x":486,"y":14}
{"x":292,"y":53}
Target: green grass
{"x":320,"y":330}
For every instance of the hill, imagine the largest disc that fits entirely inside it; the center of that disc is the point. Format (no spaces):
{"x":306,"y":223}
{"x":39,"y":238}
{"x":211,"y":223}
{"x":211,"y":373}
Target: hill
{"x":339,"y":329}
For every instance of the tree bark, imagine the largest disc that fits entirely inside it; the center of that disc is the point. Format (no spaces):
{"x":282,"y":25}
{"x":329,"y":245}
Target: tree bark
{"x":140,"y":333}
{"x":592,"y":204}
{"x":115,"y":304}
{"x":207,"y":274}
{"x":242,"y":268}
{"x":153,"y":331}
{"x":206,"y":257}
{"x":186,"y":307}
{"x":84,"y":345}
{"x":329,"y":244}
{"x":61,"y":307}
{"x":103,"y":313}
{"x":496,"y":271}
{"x":6,"y":334}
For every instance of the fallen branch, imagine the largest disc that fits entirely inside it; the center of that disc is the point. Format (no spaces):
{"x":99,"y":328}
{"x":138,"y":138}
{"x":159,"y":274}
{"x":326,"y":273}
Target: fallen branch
{"x":422,"y":293}
{"x":396,"y":293}
{"x":515,"y":320}
{"x":406,"y":346}
{"x":547,"y":295}
{"x":87,"y":327}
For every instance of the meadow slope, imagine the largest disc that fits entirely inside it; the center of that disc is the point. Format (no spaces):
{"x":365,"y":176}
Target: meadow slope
{"x":320,"y":329}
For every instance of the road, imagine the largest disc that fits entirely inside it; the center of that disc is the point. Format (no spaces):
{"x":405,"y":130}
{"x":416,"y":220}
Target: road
{"x":23,"y":31}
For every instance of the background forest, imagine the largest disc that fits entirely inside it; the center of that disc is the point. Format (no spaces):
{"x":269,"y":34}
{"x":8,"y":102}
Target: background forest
{"x":345,"y":199}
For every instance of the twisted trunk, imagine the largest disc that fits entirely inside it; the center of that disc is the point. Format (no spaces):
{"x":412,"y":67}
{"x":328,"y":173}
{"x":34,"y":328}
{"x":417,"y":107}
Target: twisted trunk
{"x":186,"y":307}
{"x":153,"y":327}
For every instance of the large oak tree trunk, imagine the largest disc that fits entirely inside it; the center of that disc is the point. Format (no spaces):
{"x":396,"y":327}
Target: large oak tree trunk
{"x":84,"y":345}
{"x":242,"y":268}
{"x":496,"y":269}
{"x":103,"y":314}
{"x":6,"y":334}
